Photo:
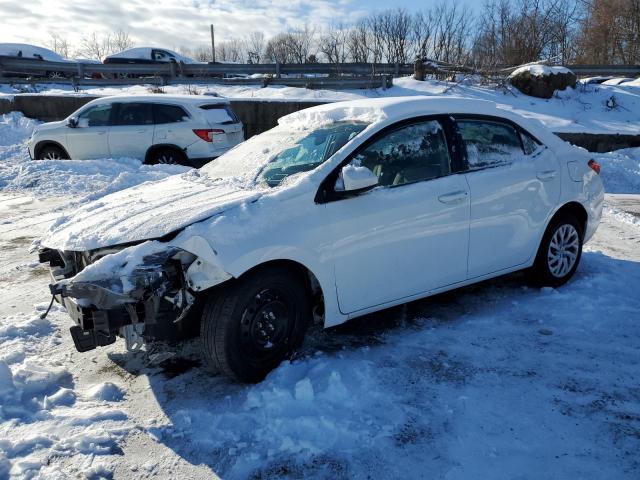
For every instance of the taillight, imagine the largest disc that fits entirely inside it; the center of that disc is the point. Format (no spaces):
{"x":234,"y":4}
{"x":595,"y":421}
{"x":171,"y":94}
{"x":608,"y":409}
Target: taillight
{"x":595,"y":166}
{"x":208,"y":134}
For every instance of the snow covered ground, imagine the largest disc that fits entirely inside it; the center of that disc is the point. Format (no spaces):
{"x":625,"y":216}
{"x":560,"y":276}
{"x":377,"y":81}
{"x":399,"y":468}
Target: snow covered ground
{"x":586,"y":109}
{"x":492,"y":381}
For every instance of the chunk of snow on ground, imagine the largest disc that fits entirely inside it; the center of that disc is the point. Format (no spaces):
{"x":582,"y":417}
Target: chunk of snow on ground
{"x":107,"y":391}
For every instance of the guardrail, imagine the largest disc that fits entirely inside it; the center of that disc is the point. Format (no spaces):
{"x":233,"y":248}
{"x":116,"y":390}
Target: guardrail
{"x":311,"y":75}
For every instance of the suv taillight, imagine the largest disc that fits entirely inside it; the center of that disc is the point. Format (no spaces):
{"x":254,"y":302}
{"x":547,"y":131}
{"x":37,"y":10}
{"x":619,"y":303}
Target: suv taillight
{"x":595,"y":166}
{"x":208,"y":134}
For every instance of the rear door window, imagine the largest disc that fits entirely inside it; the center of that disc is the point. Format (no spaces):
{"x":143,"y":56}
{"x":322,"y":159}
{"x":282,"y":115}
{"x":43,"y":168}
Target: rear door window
{"x":489,"y":143}
{"x":134,"y":114}
{"x":220,"y":114}
{"x":169,"y":114}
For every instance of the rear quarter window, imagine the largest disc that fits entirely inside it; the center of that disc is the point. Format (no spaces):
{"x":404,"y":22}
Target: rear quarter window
{"x":169,"y":114}
{"x":217,"y":113}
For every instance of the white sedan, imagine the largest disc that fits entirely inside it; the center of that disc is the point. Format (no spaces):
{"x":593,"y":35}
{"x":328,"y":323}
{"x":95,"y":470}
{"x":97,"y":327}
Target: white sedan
{"x":341,"y":210}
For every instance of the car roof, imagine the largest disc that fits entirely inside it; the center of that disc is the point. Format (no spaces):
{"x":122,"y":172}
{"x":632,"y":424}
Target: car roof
{"x":391,"y":109}
{"x":164,"y":98}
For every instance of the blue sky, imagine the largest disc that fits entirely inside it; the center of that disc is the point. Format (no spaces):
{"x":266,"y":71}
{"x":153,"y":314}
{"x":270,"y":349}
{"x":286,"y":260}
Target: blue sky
{"x":174,"y":23}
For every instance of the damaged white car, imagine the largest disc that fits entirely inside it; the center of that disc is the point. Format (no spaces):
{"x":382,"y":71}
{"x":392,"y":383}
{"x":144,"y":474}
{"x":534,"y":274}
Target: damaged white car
{"x":341,"y":210}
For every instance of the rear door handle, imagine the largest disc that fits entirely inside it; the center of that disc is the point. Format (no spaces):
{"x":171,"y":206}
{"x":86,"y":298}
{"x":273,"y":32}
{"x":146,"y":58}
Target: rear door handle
{"x":453,"y":197}
{"x":547,"y":174}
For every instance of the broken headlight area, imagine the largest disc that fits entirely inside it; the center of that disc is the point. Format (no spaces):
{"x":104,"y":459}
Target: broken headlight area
{"x":137,"y":302}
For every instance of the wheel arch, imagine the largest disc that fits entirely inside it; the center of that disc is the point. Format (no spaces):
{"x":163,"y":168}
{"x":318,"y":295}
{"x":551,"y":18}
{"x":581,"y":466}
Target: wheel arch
{"x":45,"y":143}
{"x":159,"y":146}
{"x":576,"y":209}
{"x":312,"y":284}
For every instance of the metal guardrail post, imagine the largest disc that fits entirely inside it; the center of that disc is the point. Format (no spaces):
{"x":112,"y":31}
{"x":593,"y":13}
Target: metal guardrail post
{"x":277,"y":69}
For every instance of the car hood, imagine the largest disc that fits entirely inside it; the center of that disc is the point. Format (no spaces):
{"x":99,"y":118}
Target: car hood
{"x":50,"y":125}
{"x":148,"y":211}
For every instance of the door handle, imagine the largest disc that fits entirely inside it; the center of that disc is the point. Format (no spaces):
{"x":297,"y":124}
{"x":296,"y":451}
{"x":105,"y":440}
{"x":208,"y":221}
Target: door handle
{"x":547,"y":174}
{"x":453,"y":197}
{"x":144,"y":130}
{"x":101,"y":133}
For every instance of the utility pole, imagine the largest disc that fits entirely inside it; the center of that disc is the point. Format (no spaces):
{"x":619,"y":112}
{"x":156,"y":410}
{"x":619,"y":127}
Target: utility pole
{"x":213,"y":45}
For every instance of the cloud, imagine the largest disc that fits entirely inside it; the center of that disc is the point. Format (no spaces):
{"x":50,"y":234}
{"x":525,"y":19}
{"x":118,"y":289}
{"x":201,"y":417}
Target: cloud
{"x":168,"y":23}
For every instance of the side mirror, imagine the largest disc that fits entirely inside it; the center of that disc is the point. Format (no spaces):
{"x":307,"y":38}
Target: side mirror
{"x":72,"y":122}
{"x":355,"y":179}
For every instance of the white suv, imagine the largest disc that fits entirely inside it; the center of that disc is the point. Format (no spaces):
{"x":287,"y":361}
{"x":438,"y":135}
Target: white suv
{"x":181,"y":129}
{"x":341,"y":210}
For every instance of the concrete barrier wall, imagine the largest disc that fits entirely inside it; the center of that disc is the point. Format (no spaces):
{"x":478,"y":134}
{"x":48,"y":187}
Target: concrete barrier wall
{"x":260,"y":115}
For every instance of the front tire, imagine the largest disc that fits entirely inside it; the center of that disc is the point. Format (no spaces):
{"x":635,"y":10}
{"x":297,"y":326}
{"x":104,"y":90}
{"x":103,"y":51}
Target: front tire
{"x":250,"y":327}
{"x":52,"y":152}
{"x":559,"y":253}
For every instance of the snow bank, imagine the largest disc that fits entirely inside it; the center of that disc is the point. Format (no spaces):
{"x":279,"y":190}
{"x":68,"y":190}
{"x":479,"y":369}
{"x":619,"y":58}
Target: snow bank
{"x":620,"y":170}
{"x":90,"y":179}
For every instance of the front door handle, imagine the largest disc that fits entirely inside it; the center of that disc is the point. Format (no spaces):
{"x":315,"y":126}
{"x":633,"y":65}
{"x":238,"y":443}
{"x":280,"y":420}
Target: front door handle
{"x":453,"y":197}
{"x":547,"y":174}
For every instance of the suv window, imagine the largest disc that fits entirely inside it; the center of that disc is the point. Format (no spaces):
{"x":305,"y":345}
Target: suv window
{"x":97,"y":116}
{"x":409,"y":154}
{"x":218,"y":113}
{"x":169,"y":113}
{"x":134,"y":114}
{"x":489,"y":143}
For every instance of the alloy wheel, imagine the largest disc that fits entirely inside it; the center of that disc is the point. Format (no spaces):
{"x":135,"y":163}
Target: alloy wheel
{"x":563,"y":250}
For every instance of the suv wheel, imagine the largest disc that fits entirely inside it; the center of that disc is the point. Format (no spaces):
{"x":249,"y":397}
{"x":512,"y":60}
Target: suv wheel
{"x":250,"y":327}
{"x":52,"y":152}
{"x":559,"y":253}
{"x":167,"y":156}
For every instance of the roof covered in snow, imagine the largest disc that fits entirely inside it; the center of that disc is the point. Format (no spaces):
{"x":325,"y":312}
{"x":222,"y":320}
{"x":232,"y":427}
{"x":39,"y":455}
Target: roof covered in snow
{"x":144,"y":53}
{"x":195,"y":99}
{"x":391,"y":109}
{"x":29,"y":51}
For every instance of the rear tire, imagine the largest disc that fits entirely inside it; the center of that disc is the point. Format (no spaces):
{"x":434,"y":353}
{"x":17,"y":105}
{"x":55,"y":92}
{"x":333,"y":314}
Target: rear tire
{"x":52,"y":152}
{"x":166,"y":156}
{"x":559,"y":252}
{"x":250,"y":327}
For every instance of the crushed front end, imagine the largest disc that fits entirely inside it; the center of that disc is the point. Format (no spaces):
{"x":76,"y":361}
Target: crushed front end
{"x":149,"y":300}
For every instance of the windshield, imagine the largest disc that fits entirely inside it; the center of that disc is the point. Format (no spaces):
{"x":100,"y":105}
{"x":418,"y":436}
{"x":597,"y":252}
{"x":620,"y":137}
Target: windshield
{"x":269,"y":158}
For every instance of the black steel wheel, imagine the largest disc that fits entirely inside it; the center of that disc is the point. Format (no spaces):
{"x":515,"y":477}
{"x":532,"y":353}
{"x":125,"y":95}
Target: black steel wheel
{"x":248,"y":328}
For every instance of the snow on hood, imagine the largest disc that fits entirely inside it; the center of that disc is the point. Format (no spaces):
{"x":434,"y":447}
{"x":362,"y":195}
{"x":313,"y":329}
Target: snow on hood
{"x":148,"y":211}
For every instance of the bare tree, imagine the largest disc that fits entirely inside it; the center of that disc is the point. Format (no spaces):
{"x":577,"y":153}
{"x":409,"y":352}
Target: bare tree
{"x":60,"y":45}
{"x":358,"y":42}
{"x":99,"y":46}
{"x":333,"y":44}
{"x":230,"y":51}
{"x":255,"y":45}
